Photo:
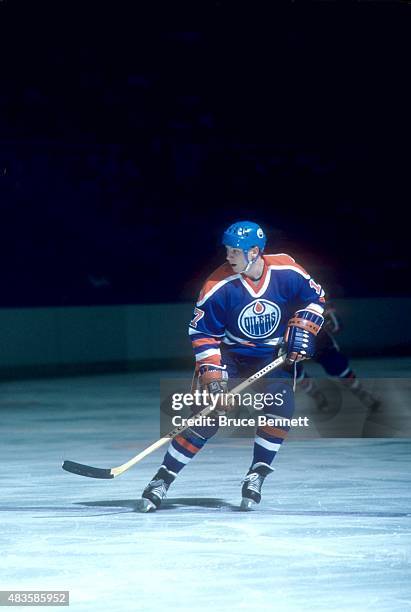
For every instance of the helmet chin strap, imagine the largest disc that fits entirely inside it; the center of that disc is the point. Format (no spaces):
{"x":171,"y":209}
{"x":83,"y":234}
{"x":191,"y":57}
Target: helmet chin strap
{"x":249,"y":262}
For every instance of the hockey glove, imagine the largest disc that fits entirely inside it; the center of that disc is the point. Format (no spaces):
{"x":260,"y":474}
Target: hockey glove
{"x":214,"y":379}
{"x":300,"y":335}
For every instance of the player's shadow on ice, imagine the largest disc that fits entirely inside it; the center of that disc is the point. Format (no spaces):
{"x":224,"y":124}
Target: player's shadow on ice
{"x":219,"y":504}
{"x":167,"y":504}
{"x":197,"y":502}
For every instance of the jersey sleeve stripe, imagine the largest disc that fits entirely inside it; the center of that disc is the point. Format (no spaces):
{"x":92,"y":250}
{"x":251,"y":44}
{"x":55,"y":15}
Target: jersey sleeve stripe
{"x":207,"y":353}
{"x":205,"y":347}
{"x":192,"y":332}
{"x":205,"y":341}
{"x":211,"y":359}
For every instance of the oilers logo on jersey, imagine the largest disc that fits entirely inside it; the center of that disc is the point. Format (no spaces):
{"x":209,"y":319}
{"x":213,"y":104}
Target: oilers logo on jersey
{"x":259,"y":319}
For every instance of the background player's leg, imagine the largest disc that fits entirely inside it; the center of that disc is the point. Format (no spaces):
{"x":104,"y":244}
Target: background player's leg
{"x":309,"y":386}
{"x":336,"y":364}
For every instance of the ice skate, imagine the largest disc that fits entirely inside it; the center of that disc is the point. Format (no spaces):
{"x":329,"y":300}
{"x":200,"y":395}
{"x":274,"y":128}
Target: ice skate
{"x":312,"y":389}
{"x":367,"y":399}
{"x":156,"y":490}
{"x":252,"y":483}
{"x":321,"y":402}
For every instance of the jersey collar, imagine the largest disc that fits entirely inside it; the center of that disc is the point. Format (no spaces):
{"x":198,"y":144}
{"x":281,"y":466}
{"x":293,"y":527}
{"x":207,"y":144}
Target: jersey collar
{"x":258,"y":289}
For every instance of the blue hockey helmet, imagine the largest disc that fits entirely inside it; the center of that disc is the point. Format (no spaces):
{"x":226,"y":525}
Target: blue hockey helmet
{"x":244,"y":235}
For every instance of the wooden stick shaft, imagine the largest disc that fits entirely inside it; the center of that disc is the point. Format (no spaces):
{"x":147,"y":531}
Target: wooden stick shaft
{"x":206,"y":411}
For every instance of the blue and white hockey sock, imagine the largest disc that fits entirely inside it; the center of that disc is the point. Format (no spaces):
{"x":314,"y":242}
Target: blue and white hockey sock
{"x":267,"y":443}
{"x":182,"y":449}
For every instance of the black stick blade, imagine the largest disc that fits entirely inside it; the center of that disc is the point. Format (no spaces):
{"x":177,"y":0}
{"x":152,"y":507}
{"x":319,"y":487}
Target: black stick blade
{"x":86,"y":470}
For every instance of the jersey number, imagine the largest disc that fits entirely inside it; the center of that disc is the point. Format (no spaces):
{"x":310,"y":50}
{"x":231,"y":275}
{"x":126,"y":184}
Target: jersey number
{"x":315,"y":286}
{"x":198,"y":314}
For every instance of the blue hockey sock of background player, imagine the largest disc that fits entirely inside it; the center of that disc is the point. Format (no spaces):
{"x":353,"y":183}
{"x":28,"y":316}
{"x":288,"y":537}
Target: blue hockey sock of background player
{"x":336,"y":364}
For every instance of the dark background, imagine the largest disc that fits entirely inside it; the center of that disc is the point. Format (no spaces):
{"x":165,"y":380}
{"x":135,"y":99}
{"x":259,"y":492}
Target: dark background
{"x":131,"y":134}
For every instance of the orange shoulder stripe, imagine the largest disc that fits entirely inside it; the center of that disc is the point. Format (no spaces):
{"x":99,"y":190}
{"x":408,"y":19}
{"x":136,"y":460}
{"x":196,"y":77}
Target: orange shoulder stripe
{"x":216,"y":277}
{"x":282,"y":259}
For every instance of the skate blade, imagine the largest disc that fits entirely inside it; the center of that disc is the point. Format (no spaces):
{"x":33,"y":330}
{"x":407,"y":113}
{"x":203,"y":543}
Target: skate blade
{"x":247,"y":504}
{"x":146,"y":506}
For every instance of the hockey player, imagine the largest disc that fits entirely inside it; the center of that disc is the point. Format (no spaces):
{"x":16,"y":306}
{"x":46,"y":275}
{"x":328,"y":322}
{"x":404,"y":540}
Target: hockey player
{"x":247,"y":309}
{"x":329,"y":355}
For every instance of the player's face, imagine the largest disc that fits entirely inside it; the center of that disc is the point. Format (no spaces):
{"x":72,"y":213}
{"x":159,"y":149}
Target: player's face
{"x":236,"y":259}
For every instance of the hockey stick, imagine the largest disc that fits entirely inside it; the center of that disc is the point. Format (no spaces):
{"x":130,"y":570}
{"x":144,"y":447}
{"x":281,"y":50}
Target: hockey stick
{"x":93,"y":472}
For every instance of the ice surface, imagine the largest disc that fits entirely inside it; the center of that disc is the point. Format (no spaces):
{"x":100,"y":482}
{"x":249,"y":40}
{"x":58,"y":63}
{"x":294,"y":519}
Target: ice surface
{"x":333,"y":531}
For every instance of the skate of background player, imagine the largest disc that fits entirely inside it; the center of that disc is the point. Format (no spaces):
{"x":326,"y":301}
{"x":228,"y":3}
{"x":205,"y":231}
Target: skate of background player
{"x":93,"y":472}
